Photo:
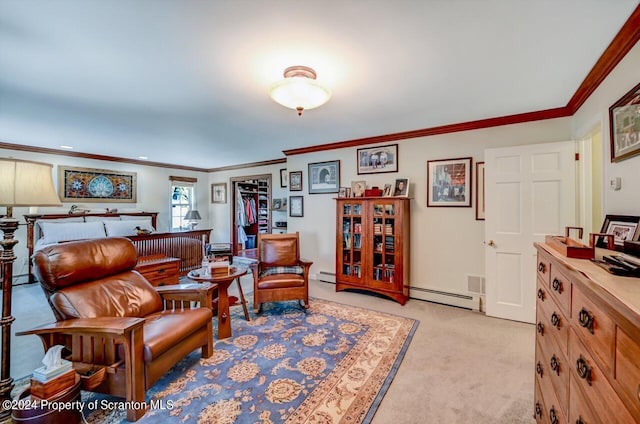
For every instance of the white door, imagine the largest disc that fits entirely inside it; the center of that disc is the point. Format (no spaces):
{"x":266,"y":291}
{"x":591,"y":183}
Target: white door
{"x":529,"y":193}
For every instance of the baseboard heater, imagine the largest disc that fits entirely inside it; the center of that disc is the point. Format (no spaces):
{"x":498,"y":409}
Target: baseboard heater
{"x":447,"y":298}
{"x":327,"y":277}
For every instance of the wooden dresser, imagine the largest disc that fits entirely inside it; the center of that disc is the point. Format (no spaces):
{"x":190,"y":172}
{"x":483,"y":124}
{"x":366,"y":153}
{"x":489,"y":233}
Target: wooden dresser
{"x":587,"y":364}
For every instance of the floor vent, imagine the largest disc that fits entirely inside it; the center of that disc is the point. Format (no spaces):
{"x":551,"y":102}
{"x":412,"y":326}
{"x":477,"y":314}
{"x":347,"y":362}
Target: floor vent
{"x":447,"y":298}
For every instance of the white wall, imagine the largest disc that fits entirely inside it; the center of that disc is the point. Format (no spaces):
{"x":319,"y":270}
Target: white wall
{"x":596,"y":111}
{"x":154,"y":194}
{"x":447,"y":243}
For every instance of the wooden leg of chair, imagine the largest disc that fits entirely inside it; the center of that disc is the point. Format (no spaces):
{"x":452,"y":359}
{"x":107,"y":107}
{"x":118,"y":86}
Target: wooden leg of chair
{"x":244,"y":302}
{"x":207,"y":349}
{"x":135,"y":390}
{"x":257,"y":309}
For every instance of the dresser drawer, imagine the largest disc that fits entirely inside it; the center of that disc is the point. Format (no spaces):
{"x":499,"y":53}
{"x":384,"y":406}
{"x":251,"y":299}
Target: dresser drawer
{"x":593,"y":385}
{"x":557,"y":371}
{"x":628,"y":372}
{"x":551,"y":324}
{"x":595,"y":328}
{"x":579,"y":409}
{"x":160,"y":271}
{"x":543,"y":268}
{"x":560,"y":288}
{"x":553,"y":406}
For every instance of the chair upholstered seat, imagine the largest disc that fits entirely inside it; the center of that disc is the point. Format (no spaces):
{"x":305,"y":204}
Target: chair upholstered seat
{"x":280,"y":274}
{"x":281,"y":281}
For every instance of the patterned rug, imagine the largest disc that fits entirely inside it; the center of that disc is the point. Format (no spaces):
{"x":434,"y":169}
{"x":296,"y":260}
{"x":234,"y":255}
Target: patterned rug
{"x":331,"y":363}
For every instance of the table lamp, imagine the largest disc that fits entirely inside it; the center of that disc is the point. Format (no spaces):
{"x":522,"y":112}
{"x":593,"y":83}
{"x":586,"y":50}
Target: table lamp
{"x":23,"y":183}
{"x":193,"y":216}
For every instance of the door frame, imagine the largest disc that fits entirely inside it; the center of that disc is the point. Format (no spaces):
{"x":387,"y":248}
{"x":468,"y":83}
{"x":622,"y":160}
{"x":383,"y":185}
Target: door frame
{"x":234,"y":202}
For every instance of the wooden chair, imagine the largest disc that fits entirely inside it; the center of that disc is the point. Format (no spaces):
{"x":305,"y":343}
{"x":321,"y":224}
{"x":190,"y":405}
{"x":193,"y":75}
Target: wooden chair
{"x":280,"y":274}
{"x":110,"y":317}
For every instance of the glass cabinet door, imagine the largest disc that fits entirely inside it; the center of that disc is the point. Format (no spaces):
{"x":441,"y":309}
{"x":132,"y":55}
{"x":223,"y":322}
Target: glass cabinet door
{"x":384,"y":242}
{"x":351,"y":239}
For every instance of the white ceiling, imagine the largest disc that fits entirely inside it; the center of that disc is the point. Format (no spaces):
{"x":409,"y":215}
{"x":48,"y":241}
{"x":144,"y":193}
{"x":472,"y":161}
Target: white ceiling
{"x":186,"y":82}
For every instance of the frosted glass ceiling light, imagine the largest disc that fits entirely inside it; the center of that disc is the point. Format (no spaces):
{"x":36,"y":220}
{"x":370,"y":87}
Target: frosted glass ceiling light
{"x":299,"y":89}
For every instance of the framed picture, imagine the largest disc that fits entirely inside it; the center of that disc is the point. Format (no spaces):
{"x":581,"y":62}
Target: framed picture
{"x":379,"y":159}
{"x":449,"y":182}
{"x":283,"y":178}
{"x":480,"y":191}
{"x":401,"y":187}
{"x":219,"y":193}
{"x":624,"y":126}
{"x":343,"y":192}
{"x":295,"y":181}
{"x":623,"y":227}
{"x":358,"y":188}
{"x":96,"y":185}
{"x":324,"y":177}
{"x":277,"y":204}
{"x":296,"y":206}
{"x":388,"y":190}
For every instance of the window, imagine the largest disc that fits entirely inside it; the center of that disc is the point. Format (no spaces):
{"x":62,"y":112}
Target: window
{"x":182,"y":200}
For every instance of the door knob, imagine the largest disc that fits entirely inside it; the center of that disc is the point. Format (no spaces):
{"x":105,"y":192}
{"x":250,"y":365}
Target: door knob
{"x":491,"y":243}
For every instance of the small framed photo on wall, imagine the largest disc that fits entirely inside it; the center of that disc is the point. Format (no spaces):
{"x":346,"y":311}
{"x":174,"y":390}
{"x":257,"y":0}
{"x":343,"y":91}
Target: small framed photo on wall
{"x":284,"y":180}
{"x":296,"y":206}
{"x":324,"y":177}
{"x":295,"y":181}
{"x":449,"y":182}
{"x":219,"y":193}
{"x":624,"y":125}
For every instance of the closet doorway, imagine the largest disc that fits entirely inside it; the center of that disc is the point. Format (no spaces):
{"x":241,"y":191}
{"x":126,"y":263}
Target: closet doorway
{"x":250,"y":211}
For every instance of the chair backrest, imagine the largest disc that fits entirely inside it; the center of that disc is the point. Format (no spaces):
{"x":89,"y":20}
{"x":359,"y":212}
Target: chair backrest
{"x":94,"y":278}
{"x":278,"y":249}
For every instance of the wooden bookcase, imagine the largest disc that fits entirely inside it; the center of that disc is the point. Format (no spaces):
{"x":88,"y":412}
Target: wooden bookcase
{"x":372,"y":245}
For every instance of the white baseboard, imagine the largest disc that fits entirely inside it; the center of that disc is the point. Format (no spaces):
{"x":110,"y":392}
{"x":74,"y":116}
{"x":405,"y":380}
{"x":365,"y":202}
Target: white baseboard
{"x":461,"y":300}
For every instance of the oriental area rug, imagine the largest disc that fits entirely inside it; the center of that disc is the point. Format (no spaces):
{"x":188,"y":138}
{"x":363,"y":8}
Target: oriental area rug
{"x":329,"y":364}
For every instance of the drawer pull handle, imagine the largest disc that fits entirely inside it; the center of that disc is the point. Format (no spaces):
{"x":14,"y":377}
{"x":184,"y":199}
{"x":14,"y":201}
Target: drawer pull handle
{"x":555,"y":365}
{"x":586,"y":320}
{"x":553,"y":416}
{"x":579,"y":420}
{"x":538,"y":410}
{"x":555,"y":320}
{"x":584,"y":370}
{"x":539,"y":369}
{"x":540,"y":294}
{"x":540,"y":328}
{"x":162,"y":271}
{"x":638,"y":391}
{"x":557,"y":285}
{"x":542,"y":267}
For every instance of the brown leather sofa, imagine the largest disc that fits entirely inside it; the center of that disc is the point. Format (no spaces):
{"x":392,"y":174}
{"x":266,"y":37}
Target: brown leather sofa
{"x":280,"y":274}
{"x":109,"y":316}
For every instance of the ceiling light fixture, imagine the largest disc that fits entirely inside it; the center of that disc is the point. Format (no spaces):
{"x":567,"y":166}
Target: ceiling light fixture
{"x":299,"y":89}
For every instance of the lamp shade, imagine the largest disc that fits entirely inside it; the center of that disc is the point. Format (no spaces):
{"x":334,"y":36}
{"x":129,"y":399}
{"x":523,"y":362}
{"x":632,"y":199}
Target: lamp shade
{"x":193,"y":214}
{"x":26,"y":183}
{"x":299,"y":89}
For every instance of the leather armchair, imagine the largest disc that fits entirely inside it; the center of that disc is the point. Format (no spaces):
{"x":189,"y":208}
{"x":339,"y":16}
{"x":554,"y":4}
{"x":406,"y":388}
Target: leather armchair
{"x":109,"y":316}
{"x":280,"y":274}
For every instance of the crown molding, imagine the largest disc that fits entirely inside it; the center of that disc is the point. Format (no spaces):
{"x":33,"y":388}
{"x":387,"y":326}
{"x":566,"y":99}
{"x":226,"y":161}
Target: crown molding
{"x":248,"y":165}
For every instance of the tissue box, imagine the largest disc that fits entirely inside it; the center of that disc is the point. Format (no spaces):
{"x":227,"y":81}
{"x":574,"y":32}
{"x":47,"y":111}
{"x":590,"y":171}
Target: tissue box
{"x":45,"y":390}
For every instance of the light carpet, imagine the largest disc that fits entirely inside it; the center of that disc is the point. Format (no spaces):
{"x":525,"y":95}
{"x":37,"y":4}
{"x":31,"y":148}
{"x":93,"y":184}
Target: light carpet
{"x":331,"y":363}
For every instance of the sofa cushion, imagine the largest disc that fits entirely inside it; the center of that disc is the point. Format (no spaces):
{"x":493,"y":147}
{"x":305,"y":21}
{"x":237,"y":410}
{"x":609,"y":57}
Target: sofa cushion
{"x":272,"y":270}
{"x":165,"y":329}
